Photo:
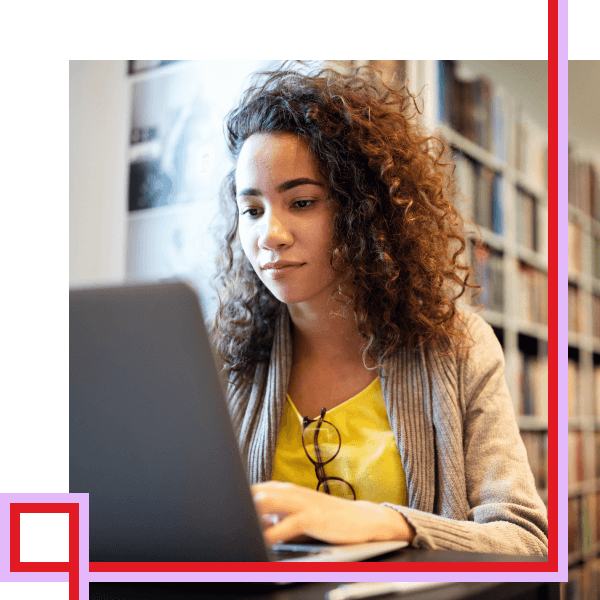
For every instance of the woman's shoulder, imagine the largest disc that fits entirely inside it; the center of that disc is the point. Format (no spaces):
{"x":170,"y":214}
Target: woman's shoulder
{"x":483,"y":352}
{"x":479,"y":332}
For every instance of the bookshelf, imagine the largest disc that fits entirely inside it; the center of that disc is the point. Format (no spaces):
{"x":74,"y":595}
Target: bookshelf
{"x":501,"y":157}
{"x":584,"y":373}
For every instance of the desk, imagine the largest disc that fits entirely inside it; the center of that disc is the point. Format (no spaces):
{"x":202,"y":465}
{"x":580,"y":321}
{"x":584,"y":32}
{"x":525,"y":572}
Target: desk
{"x":414,"y":555}
{"x":313,"y":591}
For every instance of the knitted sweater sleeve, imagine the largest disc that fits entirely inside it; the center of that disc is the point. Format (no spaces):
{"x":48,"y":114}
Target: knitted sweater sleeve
{"x":506,"y":514}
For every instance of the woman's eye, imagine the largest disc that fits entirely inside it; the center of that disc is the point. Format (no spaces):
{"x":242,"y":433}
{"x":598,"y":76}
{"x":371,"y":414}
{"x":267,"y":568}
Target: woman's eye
{"x":303,"y":203}
{"x":251,"y":212}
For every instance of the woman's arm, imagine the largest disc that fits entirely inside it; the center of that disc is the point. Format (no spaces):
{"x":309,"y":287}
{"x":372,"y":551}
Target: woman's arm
{"x":506,"y":513}
{"x":335,"y":520}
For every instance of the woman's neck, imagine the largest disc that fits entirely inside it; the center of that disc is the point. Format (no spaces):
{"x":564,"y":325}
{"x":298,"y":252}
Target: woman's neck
{"x":320,"y":335}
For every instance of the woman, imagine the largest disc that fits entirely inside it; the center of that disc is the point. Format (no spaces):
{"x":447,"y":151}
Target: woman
{"x":338,"y":302}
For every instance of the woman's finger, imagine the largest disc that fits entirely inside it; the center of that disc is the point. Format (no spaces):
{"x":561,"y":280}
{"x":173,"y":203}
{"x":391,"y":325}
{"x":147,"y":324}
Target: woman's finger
{"x":283,"y":501}
{"x":290,"y":528}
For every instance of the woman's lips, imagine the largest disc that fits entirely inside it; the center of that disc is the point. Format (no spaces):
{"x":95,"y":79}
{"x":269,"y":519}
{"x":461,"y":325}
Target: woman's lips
{"x":281,"y":272}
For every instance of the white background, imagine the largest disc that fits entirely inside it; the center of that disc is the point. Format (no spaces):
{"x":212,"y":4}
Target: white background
{"x":44,"y":537}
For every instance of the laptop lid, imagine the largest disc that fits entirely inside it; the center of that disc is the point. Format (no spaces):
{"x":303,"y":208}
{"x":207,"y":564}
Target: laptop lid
{"x":150,"y":437}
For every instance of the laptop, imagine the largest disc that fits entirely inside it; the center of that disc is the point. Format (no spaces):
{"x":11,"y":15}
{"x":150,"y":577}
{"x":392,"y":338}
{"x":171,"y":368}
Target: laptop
{"x":151,"y":440}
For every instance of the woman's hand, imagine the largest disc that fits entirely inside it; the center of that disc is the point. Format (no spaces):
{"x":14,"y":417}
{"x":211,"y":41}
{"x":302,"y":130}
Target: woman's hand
{"x":325,"y":517}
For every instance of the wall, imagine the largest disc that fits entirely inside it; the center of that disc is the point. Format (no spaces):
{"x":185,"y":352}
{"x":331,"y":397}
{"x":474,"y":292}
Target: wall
{"x":98,"y":126}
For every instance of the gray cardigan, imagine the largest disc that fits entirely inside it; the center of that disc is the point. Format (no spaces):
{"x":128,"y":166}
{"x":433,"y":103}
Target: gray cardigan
{"x":469,"y":483}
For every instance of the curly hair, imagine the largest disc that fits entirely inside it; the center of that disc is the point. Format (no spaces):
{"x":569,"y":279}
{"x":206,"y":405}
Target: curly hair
{"x":397,"y":236}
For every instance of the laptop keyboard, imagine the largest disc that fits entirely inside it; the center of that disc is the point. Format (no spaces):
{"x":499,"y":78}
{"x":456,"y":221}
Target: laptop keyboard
{"x":286,"y":551}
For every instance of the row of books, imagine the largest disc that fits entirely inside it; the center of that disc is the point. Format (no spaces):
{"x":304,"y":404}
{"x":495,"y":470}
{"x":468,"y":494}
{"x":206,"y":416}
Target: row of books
{"x":532,"y":393}
{"x":482,"y":192}
{"x":576,"y":319}
{"x":584,"y":522}
{"x":488,"y":272}
{"x":595,"y":316}
{"x":575,"y":247}
{"x":531,"y":150}
{"x":533,"y":294}
{"x":528,"y":220}
{"x":471,"y":108}
{"x":577,"y":254}
{"x":584,"y":581}
{"x":584,"y":191}
{"x":486,"y":114}
{"x":578,"y":404}
{"x":536,"y":444}
{"x":583,"y":446}
{"x":583,"y":391}
{"x":575,"y":316}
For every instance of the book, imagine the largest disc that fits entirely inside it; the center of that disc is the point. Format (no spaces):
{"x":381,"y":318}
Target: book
{"x":445,"y":73}
{"x":575,"y":584}
{"x":575,"y":459}
{"x":587,"y":521}
{"x":530,"y":441}
{"x":498,"y":205}
{"x":574,"y":247}
{"x":484,"y":197}
{"x":465,"y":175}
{"x":594,"y":191}
{"x":527,"y":222}
{"x":531,"y":152}
{"x":488,"y":271}
{"x":527,"y":382}
{"x":543,"y":464}
{"x":598,"y":520}
{"x":584,"y":192}
{"x":589,"y":587}
{"x":580,"y":456}
{"x":597,"y":454}
{"x":592,"y":500}
{"x":574,"y":527}
{"x":517,"y":398}
{"x":501,"y":118}
{"x":482,"y":90}
{"x":533,"y":294}
{"x":574,"y":313}
{"x":596,"y":315}
{"x":540,"y":386}
{"x":541,"y":297}
{"x":526,"y":285}
{"x":532,"y":396}
{"x":596,"y":399}
{"x":476,"y":108}
{"x":573,"y":387}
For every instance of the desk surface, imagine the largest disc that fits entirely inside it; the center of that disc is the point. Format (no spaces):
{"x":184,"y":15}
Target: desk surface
{"x":314,"y":591}
{"x":414,"y":555}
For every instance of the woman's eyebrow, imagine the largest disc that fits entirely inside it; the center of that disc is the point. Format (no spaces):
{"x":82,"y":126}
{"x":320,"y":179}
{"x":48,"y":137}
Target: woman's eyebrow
{"x":282,"y":187}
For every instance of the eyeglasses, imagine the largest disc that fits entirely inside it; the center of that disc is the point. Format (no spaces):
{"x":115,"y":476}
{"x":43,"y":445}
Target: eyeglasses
{"x":322,"y":442}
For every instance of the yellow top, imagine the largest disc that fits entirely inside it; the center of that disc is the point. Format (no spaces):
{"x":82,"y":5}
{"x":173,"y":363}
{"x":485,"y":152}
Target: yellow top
{"x":368,"y":459}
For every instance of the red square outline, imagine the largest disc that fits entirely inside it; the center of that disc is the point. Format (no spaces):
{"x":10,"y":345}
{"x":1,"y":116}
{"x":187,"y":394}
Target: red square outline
{"x":71,"y":567}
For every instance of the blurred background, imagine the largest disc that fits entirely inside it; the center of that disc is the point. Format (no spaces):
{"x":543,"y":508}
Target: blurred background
{"x":147,"y":155}
{"x":584,"y":330}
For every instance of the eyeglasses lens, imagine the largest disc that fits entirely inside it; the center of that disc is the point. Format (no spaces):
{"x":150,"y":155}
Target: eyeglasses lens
{"x":322,"y":441}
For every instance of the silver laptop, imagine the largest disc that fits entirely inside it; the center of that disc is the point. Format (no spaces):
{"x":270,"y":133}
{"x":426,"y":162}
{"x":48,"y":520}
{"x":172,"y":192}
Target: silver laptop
{"x":150,"y":437}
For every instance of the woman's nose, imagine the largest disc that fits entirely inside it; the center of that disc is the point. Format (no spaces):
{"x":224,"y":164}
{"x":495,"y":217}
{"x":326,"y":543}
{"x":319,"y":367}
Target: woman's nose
{"x":275,"y":234}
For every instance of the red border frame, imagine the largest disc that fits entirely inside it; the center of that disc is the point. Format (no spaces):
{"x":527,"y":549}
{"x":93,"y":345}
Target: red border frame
{"x":71,"y":567}
{"x":552,"y":564}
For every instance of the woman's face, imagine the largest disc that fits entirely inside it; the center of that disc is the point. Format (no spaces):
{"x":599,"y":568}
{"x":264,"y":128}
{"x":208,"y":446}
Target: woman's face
{"x":285,"y":222}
